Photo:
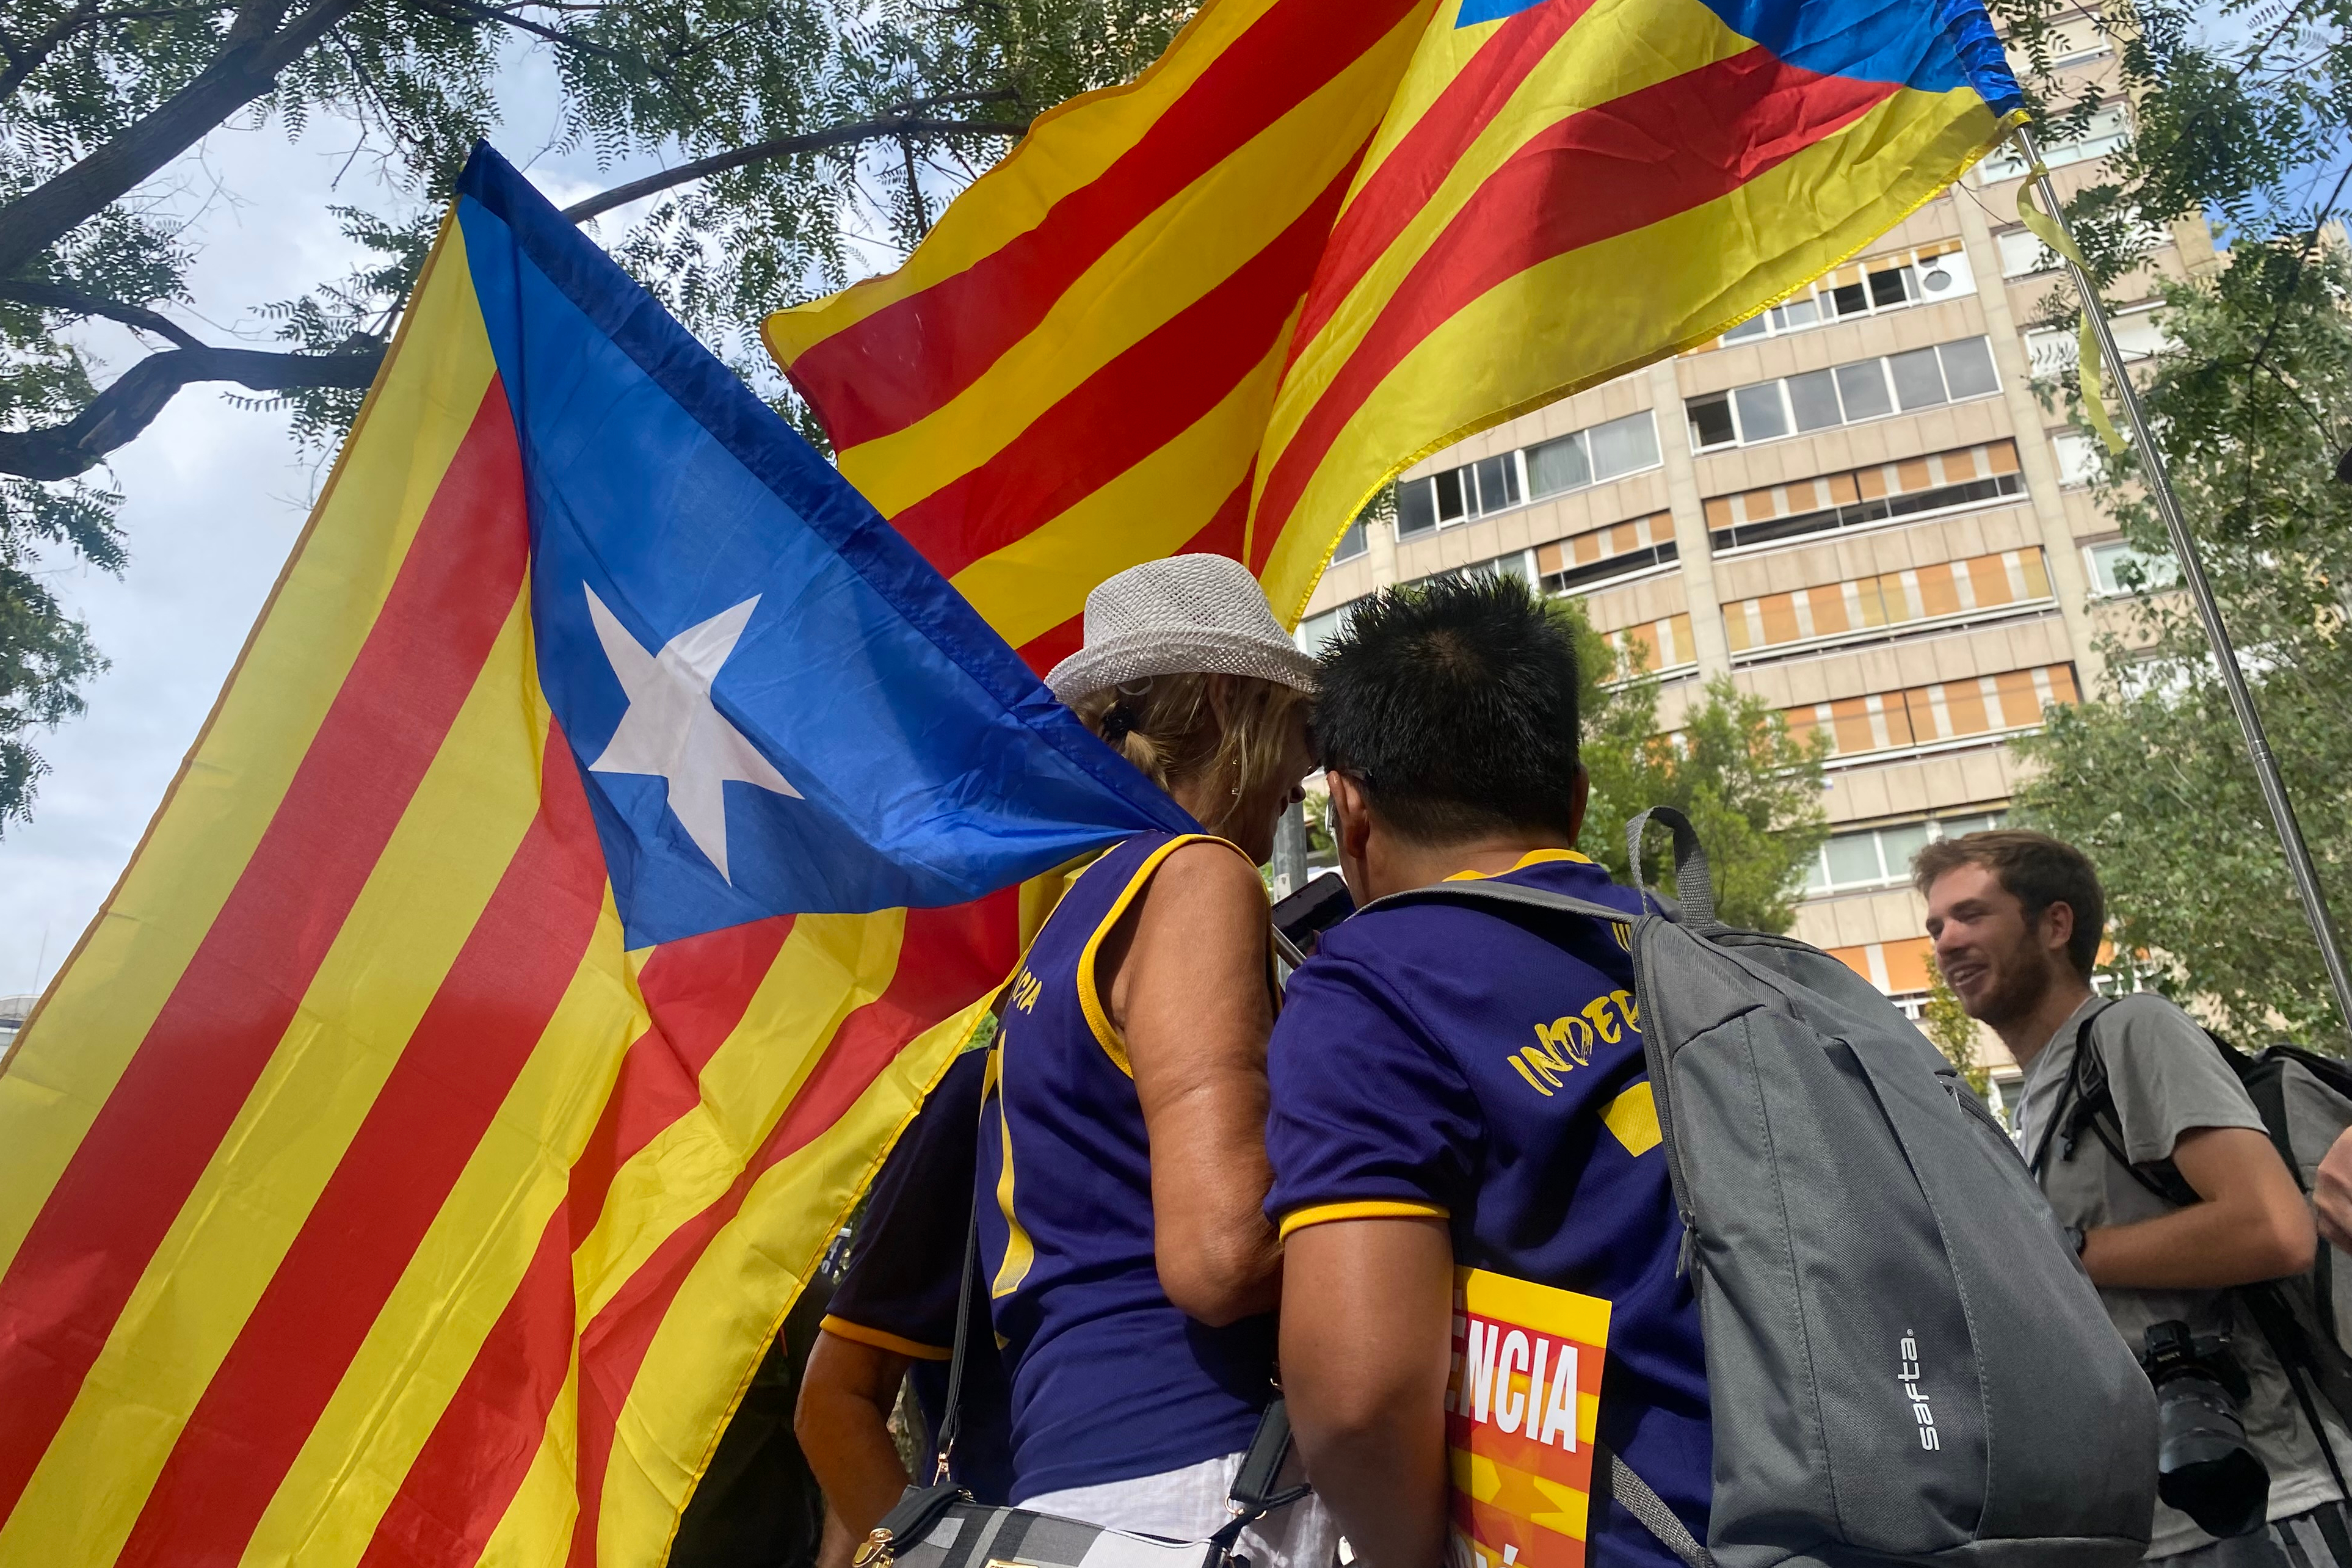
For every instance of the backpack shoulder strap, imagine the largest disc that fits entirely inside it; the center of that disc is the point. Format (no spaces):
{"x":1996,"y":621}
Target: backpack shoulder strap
{"x":2093,"y":1108}
{"x":2085,"y":1086}
{"x":1495,"y":897}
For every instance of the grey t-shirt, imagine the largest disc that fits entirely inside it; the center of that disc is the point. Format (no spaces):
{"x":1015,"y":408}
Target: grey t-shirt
{"x":2167,"y":1080}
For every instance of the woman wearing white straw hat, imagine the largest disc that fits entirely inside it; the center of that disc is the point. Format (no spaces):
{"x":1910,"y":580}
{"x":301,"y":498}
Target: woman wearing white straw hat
{"x":1132,"y":1274}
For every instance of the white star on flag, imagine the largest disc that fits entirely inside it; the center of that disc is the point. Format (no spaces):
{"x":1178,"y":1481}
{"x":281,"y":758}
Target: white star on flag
{"x":672,"y":731}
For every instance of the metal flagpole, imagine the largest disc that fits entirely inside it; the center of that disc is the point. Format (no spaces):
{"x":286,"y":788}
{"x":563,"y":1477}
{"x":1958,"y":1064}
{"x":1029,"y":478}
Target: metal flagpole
{"x":2192,"y":574}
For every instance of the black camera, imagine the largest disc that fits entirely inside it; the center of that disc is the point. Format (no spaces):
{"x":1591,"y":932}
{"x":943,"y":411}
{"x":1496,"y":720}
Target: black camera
{"x":2203,"y":1466}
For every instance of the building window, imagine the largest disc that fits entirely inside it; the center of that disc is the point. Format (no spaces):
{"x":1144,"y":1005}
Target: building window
{"x":1660,"y":645}
{"x":1847,"y":394}
{"x":1978,"y":586}
{"x":1865,"y":289}
{"x":2117,"y":569}
{"x":2054,"y":351}
{"x":2022,"y":254}
{"x":1928,"y":716}
{"x":2078,"y":458}
{"x":1351,"y":543}
{"x":1864,"y":498}
{"x":2078,"y":42}
{"x":1881,"y":856}
{"x":2109,"y":129}
{"x":1585,"y":561}
{"x":1515,"y":564}
{"x":1490,"y":484}
{"x":1316,"y":630}
{"x":1594,"y":456}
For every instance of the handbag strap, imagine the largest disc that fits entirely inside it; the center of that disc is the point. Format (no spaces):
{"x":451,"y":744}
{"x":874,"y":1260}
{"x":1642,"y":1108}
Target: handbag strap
{"x":952,"y":1421}
{"x":1254,"y":1494}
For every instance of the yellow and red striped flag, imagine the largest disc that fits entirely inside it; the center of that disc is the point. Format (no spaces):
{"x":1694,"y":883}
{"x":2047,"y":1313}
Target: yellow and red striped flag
{"x":1216,"y":310}
{"x":417,"y":1155}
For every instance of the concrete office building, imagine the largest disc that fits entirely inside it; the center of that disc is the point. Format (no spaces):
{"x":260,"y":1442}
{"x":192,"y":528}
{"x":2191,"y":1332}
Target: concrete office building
{"x":1856,"y":505}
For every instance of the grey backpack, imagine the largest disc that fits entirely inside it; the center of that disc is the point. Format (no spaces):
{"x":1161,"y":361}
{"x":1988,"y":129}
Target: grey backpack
{"x":1906,"y":1363}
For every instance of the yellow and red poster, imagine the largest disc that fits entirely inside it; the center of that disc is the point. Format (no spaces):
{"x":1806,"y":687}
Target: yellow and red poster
{"x":1520,"y":1410}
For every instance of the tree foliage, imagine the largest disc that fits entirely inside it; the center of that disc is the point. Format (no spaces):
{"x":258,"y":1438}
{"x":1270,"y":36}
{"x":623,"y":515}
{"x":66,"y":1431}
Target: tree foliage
{"x":1751,"y":788}
{"x":807,"y":141}
{"x":1947,"y":1022}
{"x":2153,"y":779}
{"x":2241,"y":113}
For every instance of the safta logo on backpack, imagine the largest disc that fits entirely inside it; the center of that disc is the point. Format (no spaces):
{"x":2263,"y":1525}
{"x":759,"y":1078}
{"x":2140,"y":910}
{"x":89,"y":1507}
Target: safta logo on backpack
{"x":1908,"y":1375}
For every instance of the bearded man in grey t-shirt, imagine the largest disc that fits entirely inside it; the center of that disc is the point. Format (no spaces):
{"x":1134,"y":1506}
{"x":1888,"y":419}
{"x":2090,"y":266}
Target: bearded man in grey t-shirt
{"x":2016,"y":918}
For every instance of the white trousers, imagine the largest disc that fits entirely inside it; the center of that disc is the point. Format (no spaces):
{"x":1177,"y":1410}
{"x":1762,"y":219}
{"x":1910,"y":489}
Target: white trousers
{"x":1190,"y":1504}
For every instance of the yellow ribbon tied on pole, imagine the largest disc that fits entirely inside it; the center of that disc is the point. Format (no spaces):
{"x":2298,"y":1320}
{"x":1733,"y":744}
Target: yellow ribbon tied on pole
{"x":2047,"y":229}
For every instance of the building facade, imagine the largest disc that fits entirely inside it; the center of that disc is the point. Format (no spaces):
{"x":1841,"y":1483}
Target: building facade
{"x":1856,"y":505}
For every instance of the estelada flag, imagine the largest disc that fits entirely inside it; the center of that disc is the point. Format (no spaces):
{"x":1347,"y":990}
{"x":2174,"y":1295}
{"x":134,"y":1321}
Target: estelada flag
{"x":1219,"y":308}
{"x":415,"y":1156}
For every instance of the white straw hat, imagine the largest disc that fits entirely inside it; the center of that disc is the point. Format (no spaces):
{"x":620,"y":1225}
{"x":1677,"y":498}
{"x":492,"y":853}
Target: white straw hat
{"x":1187,"y":614}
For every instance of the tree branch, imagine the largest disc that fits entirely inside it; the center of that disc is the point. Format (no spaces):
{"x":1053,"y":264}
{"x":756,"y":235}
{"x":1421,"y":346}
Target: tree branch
{"x":50,"y":296}
{"x":782,"y":147}
{"x":246,"y":67}
{"x":116,"y":417}
{"x":468,"y":11}
{"x":23,"y":62}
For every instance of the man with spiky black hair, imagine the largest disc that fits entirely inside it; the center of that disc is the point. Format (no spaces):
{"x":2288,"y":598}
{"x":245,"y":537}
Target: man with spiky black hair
{"x":1457,"y":1089}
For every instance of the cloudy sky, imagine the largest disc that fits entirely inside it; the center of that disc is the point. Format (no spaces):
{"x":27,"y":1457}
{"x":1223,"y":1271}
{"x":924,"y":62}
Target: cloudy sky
{"x":214,"y":496}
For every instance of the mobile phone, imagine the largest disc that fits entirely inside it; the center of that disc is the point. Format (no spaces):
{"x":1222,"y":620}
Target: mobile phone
{"x":1315,"y":908}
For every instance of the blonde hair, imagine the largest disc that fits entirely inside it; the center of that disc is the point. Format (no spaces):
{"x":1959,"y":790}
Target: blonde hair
{"x":1168,"y":728}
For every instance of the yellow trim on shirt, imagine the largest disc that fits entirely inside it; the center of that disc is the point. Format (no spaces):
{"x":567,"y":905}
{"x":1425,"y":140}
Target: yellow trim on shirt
{"x":859,"y":1333}
{"x":1372,"y":1208}
{"x":1532,"y":857}
{"x":1113,"y":1043}
{"x":1020,"y":1253}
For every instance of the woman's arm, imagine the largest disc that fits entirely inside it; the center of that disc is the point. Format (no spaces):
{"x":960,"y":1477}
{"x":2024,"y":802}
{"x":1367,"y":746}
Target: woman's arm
{"x":843,"y":1422}
{"x":1190,"y":995}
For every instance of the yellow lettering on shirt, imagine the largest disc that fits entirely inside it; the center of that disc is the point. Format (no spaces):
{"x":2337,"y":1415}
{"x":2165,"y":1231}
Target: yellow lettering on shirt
{"x":1026,"y":989}
{"x":1566,"y":1042}
{"x":1571,"y":1036}
{"x":1527,"y":1074}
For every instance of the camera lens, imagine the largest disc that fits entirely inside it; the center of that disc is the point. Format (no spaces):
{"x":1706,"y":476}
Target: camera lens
{"x":2204,"y":1465}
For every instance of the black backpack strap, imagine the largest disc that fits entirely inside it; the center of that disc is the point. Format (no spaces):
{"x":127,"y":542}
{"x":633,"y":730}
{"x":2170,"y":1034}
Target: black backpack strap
{"x":2275,"y":1321}
{"x":2085,"y":1087}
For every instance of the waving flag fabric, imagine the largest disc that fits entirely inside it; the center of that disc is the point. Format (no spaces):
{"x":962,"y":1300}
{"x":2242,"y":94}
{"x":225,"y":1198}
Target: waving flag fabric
{"x":416,"y":1155}
{"x":1322,"y":238}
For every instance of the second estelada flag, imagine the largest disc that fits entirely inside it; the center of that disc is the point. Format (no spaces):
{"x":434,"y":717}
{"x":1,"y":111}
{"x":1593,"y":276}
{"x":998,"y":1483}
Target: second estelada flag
{"x":1321,"y":238}
{"x":413,"y":1160}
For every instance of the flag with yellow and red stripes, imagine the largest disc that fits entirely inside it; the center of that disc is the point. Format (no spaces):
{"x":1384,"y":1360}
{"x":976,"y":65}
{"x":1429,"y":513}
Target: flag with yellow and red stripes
{"x":570,"y":893}
{"x":1217,"y":309}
